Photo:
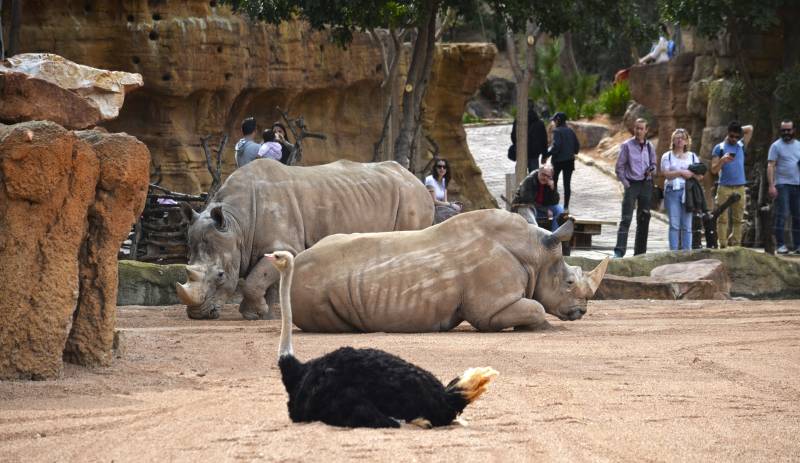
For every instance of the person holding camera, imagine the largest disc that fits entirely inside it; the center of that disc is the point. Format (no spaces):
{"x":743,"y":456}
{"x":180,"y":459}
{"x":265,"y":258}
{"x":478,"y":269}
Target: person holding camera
{"x":675,"y":165}
{"x":783,"y":173}
{"x":727,"y":160}
{"x":635,"y":166}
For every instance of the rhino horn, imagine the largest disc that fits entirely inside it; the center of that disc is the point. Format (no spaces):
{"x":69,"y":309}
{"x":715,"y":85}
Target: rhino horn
{"x":186,"y":295}
{"x":594,"y":277}
{"x":564,"y":233}
{"x":193,"y":273}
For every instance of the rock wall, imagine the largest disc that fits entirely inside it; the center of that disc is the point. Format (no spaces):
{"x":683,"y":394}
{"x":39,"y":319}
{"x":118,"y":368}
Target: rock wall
{"x":67,"y":200}
{"x":206,"y":69}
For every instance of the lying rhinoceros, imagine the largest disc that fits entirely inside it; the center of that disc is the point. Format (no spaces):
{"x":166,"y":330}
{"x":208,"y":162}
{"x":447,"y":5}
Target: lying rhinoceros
{"x":490,"y":268}
{"x":266,"y":206}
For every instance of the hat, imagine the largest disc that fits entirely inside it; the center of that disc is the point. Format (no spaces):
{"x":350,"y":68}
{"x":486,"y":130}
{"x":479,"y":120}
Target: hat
{"x":559,"y":117}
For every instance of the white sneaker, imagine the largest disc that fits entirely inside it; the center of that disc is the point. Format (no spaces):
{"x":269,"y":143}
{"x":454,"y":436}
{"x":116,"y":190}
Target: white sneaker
{"x":782,"y":250}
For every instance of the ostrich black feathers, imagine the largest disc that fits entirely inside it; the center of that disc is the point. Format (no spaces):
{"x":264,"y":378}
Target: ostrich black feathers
{"x":366,"y":387}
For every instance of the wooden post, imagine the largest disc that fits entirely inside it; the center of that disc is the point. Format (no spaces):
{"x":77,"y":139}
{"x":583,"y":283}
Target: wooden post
{"x":511,"y":188}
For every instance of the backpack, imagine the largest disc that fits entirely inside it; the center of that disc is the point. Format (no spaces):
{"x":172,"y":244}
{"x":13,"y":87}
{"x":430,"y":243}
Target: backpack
{"x":671,"y":48}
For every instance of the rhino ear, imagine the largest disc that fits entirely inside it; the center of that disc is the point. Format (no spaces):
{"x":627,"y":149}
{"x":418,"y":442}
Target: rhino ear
{"x":188,"y":213}
{"x":218,"y":217}
{"x":564,"y":233}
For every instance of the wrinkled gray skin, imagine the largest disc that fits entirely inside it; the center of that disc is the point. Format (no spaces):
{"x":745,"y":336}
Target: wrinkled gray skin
{"x":265,"y":207}
{"x":490,"y":268}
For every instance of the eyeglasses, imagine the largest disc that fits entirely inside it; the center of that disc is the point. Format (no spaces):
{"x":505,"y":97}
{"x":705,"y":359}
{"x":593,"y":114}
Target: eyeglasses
{"x":545,"y":175}
{"x":441,"y":166}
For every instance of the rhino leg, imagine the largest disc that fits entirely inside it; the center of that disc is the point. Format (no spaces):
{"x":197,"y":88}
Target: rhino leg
{"x":254,"y":305}
{"x":525,"y":314}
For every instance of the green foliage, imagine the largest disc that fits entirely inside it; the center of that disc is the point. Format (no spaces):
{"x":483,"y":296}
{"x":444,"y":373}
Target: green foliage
{"x":571,"y":95}
{"x":614,"y":99}
{"x":710,"y":17}
{"x":468,"y":118}
{"x":787,"y":94}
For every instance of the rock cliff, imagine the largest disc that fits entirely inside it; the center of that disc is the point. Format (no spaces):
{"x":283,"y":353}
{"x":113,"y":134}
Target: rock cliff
{"x":67,"y":200}
{"x":206,"y":69}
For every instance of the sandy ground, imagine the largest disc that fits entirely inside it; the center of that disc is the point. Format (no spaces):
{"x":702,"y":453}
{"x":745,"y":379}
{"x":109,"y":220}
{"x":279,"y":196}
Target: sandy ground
{"x":632,"y":381}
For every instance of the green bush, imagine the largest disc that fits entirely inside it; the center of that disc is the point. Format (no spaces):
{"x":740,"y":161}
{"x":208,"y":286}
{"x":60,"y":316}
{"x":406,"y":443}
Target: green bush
{"x":468,"y":118}
{"x":614,"y":99}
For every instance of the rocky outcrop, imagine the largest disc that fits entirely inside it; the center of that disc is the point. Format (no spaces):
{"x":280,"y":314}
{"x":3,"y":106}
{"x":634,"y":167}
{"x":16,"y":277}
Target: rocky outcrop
{"x":67,"y":200}
{"x":589,"y":133}
{"x":205,"y":69}
{"x":43,"y":86}
{"x":702,"y":279}
{"x":752,"y":274}
{"x":142,"y":283}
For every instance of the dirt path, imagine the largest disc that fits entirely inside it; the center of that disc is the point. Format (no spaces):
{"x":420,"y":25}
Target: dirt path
{"x":632,"y":381}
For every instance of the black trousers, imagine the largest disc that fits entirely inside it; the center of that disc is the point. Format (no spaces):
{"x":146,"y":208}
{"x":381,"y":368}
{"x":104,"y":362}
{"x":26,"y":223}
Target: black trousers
{"x":639,"y":193}
{"x":567,"y":167}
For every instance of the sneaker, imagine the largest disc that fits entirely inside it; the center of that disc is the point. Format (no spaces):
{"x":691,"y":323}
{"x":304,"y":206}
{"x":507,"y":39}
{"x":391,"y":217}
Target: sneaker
{"x":782,"y":250}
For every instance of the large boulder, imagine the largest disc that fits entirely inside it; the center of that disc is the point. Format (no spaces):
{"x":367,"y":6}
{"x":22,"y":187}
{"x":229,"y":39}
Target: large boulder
{"x":712,"y":270}
{"x":753,"y":274}
{"x":589,"y":133}
{"x":617,"y":287}
{"x":43,"y":86}
{"x":703,"y":279}
{"x":143,"y":283}
{"x":67,"y":200}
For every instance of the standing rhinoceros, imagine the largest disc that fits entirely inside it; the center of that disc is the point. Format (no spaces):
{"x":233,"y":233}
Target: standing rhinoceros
{"x":266,"y":206}
{"x":490,"y":268}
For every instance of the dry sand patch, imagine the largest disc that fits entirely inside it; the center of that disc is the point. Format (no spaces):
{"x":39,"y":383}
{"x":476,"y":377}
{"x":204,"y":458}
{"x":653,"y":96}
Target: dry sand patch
{"x":632,"y":381}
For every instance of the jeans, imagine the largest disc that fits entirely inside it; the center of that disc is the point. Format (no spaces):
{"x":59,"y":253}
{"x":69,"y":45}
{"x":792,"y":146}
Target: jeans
{"x":639,"y":193}
{"x":736,"y":212}
{"x":567,"y":167}
{"x":788,"y":202}
{"x":680,"y":221}
{"x":556,"y":209}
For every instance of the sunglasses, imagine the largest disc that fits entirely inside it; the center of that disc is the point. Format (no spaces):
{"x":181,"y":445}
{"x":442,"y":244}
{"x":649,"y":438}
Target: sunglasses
{"x":734,"y":136}
{"x":786,"y":130}
{"x":441,"y":166}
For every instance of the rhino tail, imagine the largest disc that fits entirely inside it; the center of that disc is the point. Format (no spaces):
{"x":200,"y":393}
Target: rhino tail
{"x":469,"y":386}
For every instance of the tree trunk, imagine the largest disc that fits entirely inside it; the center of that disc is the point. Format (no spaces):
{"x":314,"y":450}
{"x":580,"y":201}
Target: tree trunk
{"x":16,"y":22}
{"x":416,"y":83}
{"x":567,"y":58}
{"x":523,"y":77}
{"x":2,"y":44}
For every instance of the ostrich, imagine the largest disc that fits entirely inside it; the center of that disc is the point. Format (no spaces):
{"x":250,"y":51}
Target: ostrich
{"x":366,"y":387}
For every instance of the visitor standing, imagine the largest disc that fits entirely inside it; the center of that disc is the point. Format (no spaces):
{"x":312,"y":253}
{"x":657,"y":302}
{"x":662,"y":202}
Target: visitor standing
{"x":635,"y":166}
{"x":537,"y":139}
{"x":281,"y":138}
{"x":675,"y":167}
{"x":783,"y":173}
{"x":727,"y":159}
{"x":562,"y":154}
{"x":246,"y":148}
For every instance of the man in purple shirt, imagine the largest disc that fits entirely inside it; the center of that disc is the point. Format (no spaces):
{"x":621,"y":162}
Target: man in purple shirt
{"x":635,"y":167}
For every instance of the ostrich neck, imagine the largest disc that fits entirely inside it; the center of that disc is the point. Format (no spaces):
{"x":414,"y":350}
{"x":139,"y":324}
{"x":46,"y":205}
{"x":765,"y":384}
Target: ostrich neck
{"x":286,"y":311}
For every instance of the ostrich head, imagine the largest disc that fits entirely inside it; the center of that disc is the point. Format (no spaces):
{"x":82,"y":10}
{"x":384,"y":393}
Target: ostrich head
{"x":282,"y":260}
